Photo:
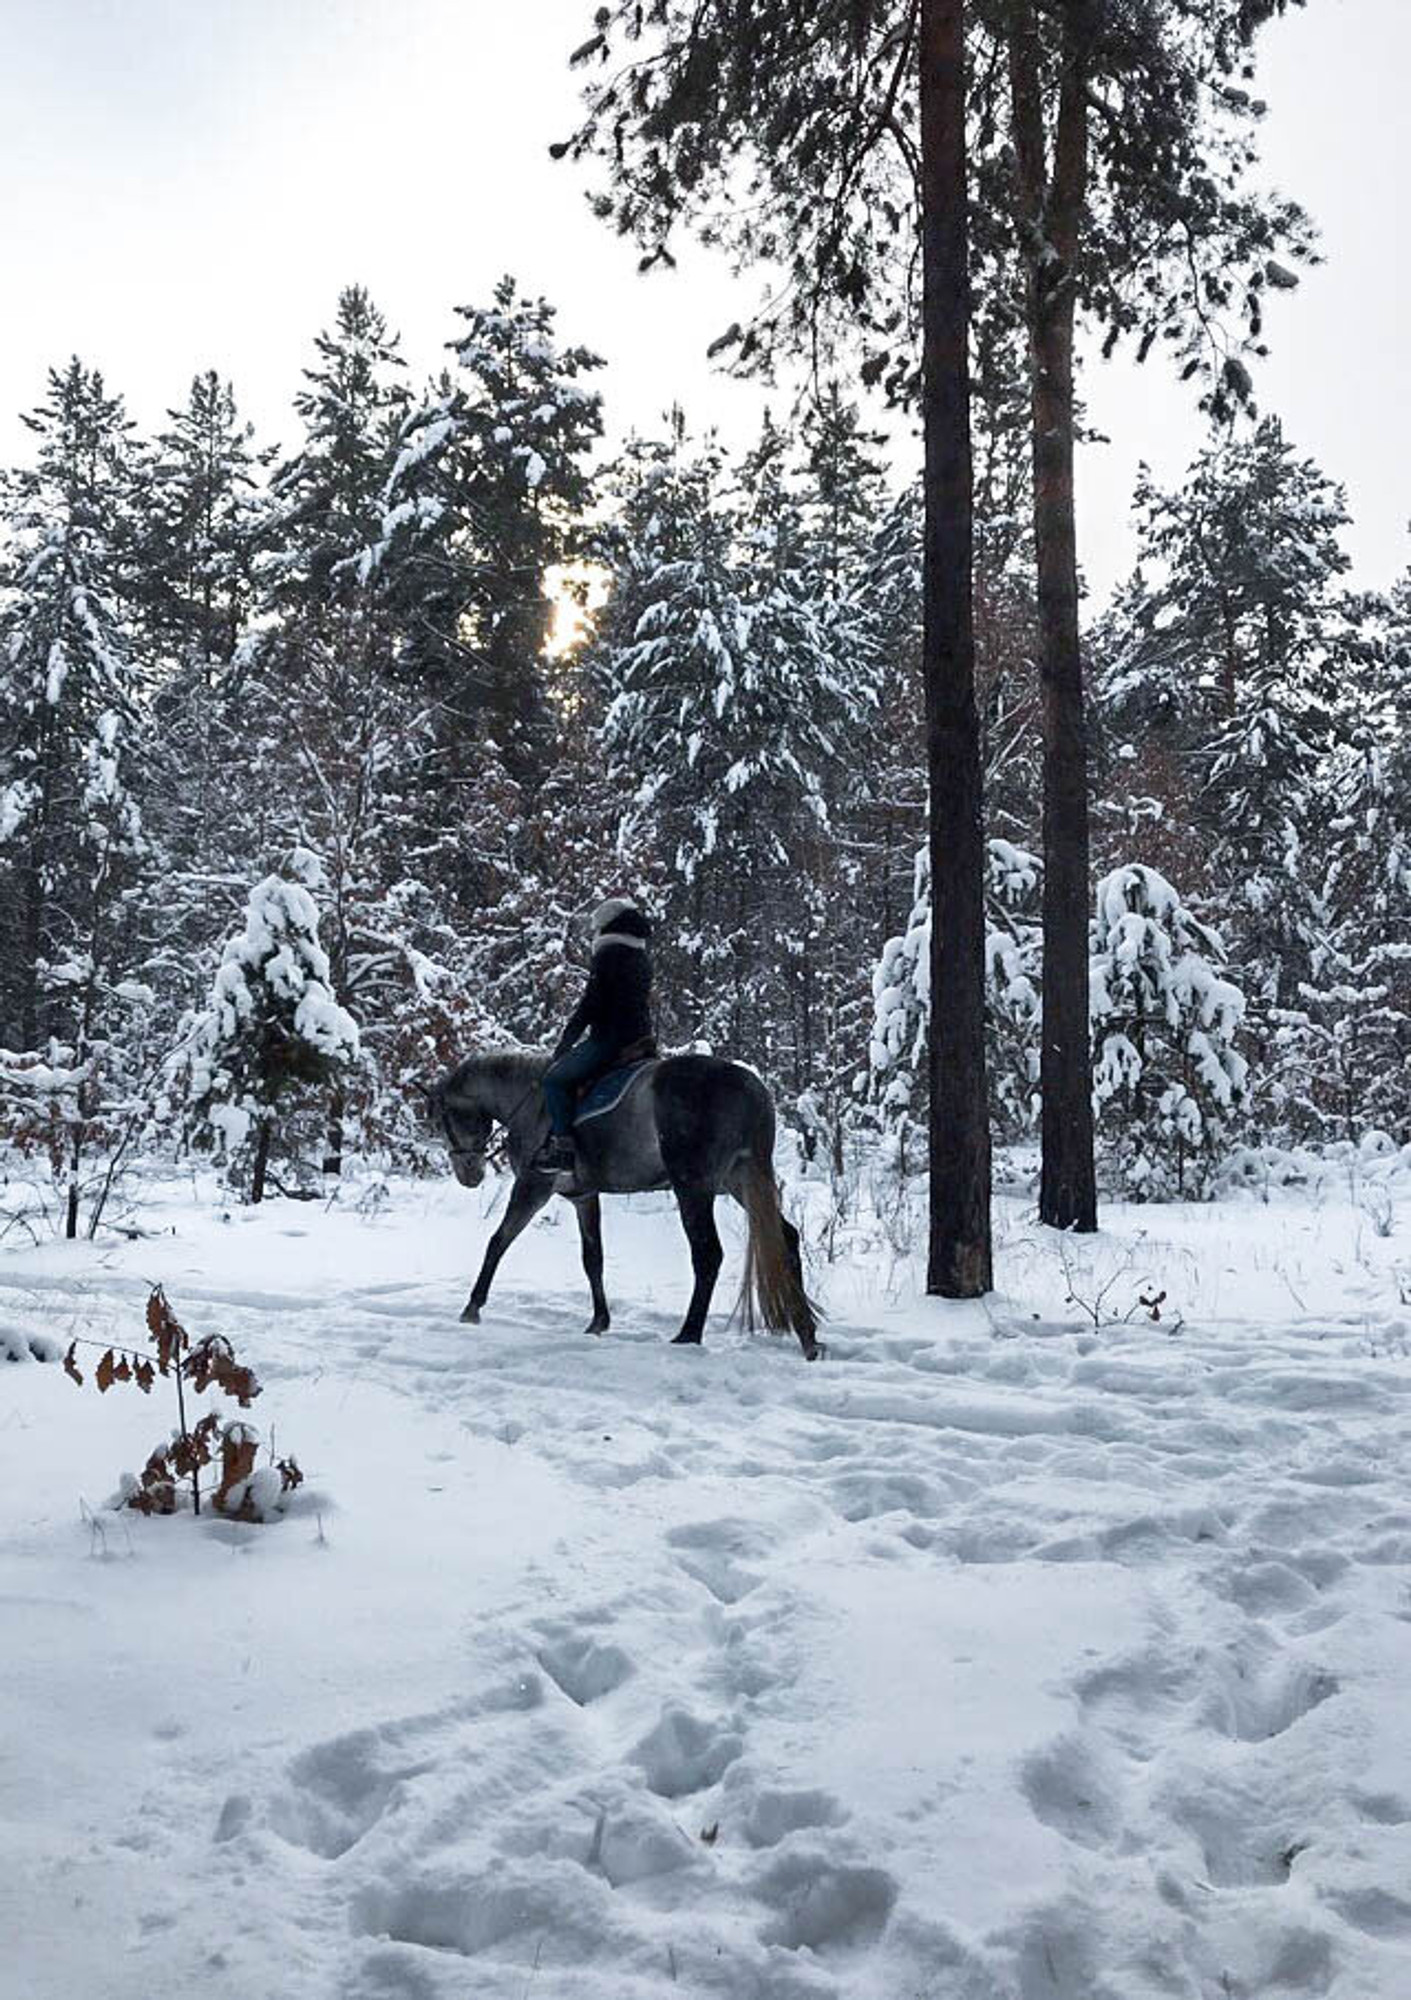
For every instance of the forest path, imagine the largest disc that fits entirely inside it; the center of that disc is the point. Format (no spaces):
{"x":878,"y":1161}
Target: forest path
{"x":993,"y":1659}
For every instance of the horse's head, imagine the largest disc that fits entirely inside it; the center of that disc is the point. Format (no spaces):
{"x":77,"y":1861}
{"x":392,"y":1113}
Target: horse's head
{"x":464,"y":1126}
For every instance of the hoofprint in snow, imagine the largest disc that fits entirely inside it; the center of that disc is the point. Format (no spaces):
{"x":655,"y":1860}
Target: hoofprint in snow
{"x":998,"y":1658}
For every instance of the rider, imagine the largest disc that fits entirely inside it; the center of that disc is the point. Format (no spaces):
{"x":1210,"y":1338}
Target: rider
{"x":616,"y":1012}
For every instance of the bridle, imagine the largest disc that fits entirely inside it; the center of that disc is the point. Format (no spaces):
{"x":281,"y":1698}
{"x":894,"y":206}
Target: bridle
{"x":457,"y":1150}
{"x":491,"y":1151}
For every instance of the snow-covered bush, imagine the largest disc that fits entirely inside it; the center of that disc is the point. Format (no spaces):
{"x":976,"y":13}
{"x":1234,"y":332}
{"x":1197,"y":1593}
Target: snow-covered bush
{"x":901,"y":993}
{"x":1339,"y":1059}
{"x":1166,"y":1072}
{"x":272,"y":1024}
{"x":1013,"y":979}
{"x":901,"y":1013}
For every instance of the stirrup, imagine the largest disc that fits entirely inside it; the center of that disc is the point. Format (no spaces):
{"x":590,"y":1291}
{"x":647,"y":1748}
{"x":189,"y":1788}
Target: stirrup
{"x":557,"y":1155}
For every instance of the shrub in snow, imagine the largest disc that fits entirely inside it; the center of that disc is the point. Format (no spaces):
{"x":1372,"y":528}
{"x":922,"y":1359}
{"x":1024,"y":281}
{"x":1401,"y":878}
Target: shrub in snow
{"x":1166,"y":1073}
{"x":1340,"y":1058}
{"x":172,"y":1474}
{"x":272,"y":1024}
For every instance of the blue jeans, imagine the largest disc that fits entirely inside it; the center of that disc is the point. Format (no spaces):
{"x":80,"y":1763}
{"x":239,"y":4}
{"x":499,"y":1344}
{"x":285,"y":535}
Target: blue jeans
{"x":565,"y":1077}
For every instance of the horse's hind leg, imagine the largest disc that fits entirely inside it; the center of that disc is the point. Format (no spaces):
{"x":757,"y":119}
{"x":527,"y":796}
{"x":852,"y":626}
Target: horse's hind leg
{"x":590,"y":1230}
{"x":527,"y":1197}
{"x":698,"y":1220}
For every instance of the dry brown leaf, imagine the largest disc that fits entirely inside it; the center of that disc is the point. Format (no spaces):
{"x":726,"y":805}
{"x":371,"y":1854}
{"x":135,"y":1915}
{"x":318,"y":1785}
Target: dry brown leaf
{"x":71,"y":1367}
{"x":240,"y":1383}
{"x":237,"y":1461}
{"x":194,"y":1448}
{"x":106,"y":1371}
{"x":166,"y":1330}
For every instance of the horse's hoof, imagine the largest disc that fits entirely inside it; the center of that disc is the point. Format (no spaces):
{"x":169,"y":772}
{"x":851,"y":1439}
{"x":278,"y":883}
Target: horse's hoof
{"x":815,"y":1351}
{"x":471,"y":1316}
{"x":597,"y":1326}
{"x":684,"y":1339}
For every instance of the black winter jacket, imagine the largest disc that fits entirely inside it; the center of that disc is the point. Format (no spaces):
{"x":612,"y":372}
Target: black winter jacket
{"x":615,"y":1007}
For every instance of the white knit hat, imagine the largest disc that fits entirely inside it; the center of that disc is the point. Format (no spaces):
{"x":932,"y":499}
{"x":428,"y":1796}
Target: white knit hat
{"x":607,"y":914}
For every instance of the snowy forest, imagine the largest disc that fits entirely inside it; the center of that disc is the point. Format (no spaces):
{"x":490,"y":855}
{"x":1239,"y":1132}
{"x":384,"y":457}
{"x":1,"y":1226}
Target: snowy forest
{"x":313,"y":762}
{"x":525,"y":501}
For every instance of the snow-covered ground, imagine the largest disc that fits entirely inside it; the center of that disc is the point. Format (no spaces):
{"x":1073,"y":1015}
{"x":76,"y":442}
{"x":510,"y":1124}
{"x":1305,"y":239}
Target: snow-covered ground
{"x":999,"y":1657}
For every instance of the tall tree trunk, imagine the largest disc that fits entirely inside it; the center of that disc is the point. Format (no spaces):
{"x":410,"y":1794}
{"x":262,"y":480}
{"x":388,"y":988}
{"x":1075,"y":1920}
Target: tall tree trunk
{"x":333,"y":1141}
{"x":959,"y":1259}
{"x":1068,"y":1188}
{"x":263,"y":1137}
{"x":75,"y":1166}
{"x":1052,"y":207}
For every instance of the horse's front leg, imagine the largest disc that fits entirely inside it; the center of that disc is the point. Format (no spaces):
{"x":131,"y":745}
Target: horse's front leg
{"x":698,"y":1221}
{"x":527,"y":1197}
{"x":590,"y":1230}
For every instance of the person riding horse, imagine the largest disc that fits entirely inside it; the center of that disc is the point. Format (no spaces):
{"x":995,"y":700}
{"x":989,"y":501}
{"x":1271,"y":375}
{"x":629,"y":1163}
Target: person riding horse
{"x":615,"y":1011}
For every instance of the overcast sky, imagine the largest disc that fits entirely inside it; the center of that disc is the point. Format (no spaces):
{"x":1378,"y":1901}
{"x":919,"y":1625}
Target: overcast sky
{"x":189,"y":182}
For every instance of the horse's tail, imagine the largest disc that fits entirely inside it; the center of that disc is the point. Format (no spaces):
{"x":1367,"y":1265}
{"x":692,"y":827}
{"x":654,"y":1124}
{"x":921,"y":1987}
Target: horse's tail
{"x":773,"y":1287}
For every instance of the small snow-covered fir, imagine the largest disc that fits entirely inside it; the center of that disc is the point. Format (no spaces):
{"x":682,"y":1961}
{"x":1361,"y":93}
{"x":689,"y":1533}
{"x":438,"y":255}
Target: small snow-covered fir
{"x":1167,"y":1076}
{"x":271,"y":1024}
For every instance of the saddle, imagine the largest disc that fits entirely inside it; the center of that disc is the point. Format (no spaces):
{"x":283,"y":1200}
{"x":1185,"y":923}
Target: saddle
{"x":607,"y":1091}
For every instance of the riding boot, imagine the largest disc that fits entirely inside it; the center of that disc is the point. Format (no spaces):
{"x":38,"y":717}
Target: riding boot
{"x":556,"y":1155}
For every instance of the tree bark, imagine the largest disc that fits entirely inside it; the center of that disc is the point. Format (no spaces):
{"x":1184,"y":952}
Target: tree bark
{"x":262,"y":1145}
{"x":959,"y":1255}
{"x":1051,"y":207}
{"x":333,"y":1142}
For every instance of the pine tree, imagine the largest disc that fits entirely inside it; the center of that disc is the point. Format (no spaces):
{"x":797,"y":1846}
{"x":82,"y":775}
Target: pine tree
{"x":71,"y":741}
{"x":730,"y":716}
{"x":332,"y":704}
{"x":329,"y":495}
{"x":1166,"y":1073}
{"x":1342,"y":1047}
{"x":197,"y":547}
{"x":828,"y":85}
{"x":1110,"y":161}
{"x":669,"y":678}
{"x":861,"y":562}
{"x":811,"y":655}
{"x":194,"y":590}
{"x":271,"y":1025}
{"x":888,"y":818}
{"x":1229,"y":660}
{"x":486,"y":497}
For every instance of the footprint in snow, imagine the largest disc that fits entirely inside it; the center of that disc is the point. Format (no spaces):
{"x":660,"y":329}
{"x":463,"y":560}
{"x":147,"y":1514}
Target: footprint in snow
{"x":582,"y":1667}
{"x":1375,"y":1912}
{"x":821,"y":1905}
{"x":1074,"y":1789}
{"x":770,"y":1815}
{"x":682,"y":1754}
{"x":1252,"y":1709}
{"x":339,"y":1790}
{"x":708,"y":1552}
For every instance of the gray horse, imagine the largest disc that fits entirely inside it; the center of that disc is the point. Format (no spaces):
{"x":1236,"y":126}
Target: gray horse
{"x":695,"y":1124}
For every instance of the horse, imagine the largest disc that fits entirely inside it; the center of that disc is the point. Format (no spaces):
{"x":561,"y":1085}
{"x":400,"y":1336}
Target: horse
{"x":698,"y":1125}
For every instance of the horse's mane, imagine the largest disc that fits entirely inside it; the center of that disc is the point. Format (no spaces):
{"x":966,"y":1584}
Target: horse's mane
{"x":522,"y":1066}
